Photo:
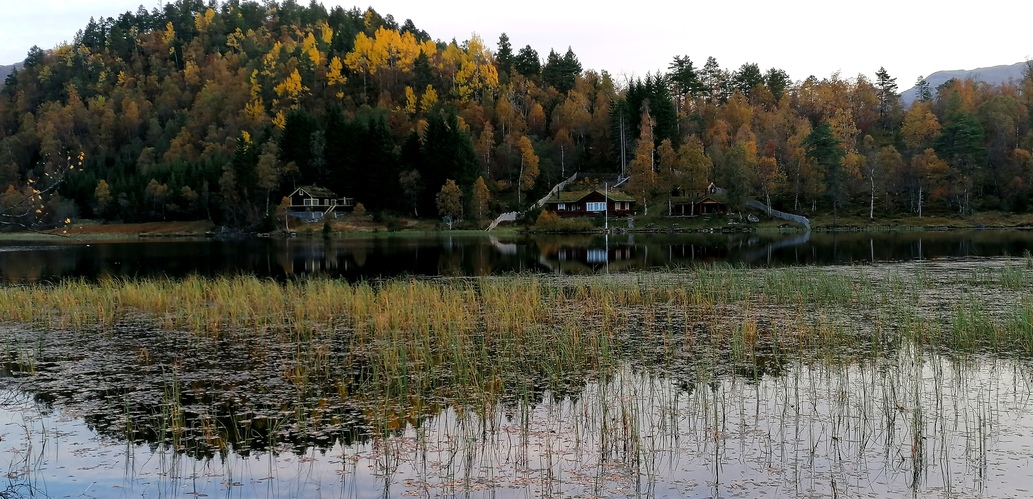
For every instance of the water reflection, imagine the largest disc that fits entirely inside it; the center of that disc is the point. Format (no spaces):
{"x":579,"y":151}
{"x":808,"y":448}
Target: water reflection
{"x":382,"y":256}
{"x":910,"y":423}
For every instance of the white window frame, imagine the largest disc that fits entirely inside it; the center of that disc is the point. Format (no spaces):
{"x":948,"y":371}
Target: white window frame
{"x":595,"y":206}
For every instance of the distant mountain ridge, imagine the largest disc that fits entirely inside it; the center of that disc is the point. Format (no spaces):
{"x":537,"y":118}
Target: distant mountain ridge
{"x":7,"y":70}
{"x":994,"y":75}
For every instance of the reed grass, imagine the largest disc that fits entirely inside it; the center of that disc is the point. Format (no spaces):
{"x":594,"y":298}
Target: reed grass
{"x":606,"y":347}
{"x":473,"y":341}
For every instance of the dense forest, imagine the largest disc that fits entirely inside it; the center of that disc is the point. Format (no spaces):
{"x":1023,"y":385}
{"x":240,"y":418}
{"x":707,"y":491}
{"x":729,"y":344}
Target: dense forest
{"x":217,"y":110}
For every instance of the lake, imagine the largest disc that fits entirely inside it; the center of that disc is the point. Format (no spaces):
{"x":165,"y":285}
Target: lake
{"x":357,"y":258}
{"x":824,"y":365}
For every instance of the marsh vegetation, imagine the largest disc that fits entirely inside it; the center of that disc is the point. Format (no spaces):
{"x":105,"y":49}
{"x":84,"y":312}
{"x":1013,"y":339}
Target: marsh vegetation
{"x":710,"y":379}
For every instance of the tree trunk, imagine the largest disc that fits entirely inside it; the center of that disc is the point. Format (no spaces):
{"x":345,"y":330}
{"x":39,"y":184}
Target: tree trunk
{"x":871,"y":206}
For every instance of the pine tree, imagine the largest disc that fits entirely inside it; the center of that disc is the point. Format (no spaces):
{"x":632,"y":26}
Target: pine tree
{"x":504,"y":55}
{"x":824,"y":149}
{"x":889,"y":99}
{"x":527,"y":62}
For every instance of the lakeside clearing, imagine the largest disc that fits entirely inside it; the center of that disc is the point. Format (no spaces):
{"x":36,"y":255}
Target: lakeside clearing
{"x":351,"y":225}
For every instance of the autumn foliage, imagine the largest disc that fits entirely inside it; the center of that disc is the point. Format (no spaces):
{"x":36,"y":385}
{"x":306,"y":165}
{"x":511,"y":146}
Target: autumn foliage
{"x":196,"y":110}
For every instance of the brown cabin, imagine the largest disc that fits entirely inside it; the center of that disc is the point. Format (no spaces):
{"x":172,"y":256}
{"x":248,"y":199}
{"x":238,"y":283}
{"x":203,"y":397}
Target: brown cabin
{"x":703,"y":203}
{"x":590,"y":203}
{"x":312,"y":204}
{"x":692,"y":207}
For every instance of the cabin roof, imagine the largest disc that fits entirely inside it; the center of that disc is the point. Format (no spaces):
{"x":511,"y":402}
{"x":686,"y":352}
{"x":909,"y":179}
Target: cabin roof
{"x":695,"y":199}
{"x":575,"y":196}
{"x":314,"y":191}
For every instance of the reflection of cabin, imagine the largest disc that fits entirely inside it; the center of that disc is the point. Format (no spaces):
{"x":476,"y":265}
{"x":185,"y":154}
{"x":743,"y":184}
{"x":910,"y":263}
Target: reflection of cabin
{"x":581,"y":203}
{"x":587,"y":258}
{"x":311,"y":203}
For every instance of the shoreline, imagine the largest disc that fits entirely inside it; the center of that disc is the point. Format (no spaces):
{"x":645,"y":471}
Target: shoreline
{"x":646,"y":225}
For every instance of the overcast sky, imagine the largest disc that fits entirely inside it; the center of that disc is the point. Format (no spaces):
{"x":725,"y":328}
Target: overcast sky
{"x":803,"y":37}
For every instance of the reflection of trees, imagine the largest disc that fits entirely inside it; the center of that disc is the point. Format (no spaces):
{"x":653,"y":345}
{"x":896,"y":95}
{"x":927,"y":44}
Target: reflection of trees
{"x":367,"y":257}
{"x":198,"y":395}
{"x":253,"y":391}
{"x":27,"y":264}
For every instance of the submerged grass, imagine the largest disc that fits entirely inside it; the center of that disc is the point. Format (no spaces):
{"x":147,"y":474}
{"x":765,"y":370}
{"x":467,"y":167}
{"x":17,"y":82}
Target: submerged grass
{"x":475,"y":342}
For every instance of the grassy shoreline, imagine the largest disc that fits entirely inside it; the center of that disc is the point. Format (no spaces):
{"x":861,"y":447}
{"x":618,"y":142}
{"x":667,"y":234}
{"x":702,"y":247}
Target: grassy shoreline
{"x":520,"y":305}
{"x":352,"y":226}
{"x":349,"y":227}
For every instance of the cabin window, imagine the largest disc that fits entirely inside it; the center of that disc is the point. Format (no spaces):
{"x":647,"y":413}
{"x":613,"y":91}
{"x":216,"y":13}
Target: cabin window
{"x":561,"y":207}
{"x":309,"y":202}
{"x":595,"y":206}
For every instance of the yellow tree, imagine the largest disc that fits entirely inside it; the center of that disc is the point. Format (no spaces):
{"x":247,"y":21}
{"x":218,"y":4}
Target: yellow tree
{"x":268,"y":170}
{"x":290,"y":88}
{"x":695,"y":176}
{"x":737,"y":112}
{"x":102,"y":196}
{"x":573,"y":114}
{"x":565,"y":143}
{"x":449,"y":201}
{"x":326,"y":33}
{"x":536,"y":120}
{"x":428,"y":100}
{"x":410,"y":101}
{"x":669,"y":167}
{"x":203,"y":20}
{"x":475,"y":71}
{"x":642,"y":175}
{"x":887,"y":160}
{"x":768,"y":177}
{"x":481,"y":197}
{"x":309,"y":48}
{"x":364,"y":58}
{"x":485,"y":144}
{"x":335,"y":80}
{"x":505,"y":115}
{"x":156,"y":193}
{"x":920,"y":126}
{"x":931,"y":174}
{"x":528,"y":166}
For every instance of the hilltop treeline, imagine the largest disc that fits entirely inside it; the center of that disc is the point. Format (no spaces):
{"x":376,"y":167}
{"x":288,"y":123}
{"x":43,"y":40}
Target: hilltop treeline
{"x":205,"y":110}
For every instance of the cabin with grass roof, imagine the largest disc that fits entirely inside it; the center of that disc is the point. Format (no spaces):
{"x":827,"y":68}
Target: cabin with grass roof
{"x":312,"y":204}
{"x":590,"y":203}
{"x":695,"y":206}
{"x":703,"y":203}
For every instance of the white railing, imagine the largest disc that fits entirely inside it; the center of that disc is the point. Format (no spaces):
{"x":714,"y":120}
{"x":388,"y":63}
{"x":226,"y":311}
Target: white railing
{"x":511,"y":216}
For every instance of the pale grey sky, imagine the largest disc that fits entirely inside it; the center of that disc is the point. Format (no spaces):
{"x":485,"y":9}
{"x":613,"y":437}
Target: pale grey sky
{"x":803,"y":37}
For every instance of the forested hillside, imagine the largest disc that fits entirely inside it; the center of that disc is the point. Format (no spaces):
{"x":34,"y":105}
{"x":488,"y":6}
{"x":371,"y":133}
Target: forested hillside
{"x":217,"y":111}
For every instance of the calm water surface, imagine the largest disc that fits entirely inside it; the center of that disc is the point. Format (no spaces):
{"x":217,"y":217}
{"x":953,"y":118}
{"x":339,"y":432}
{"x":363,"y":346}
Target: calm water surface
{"x":910,"y":424}
{"x":373,"y":257}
